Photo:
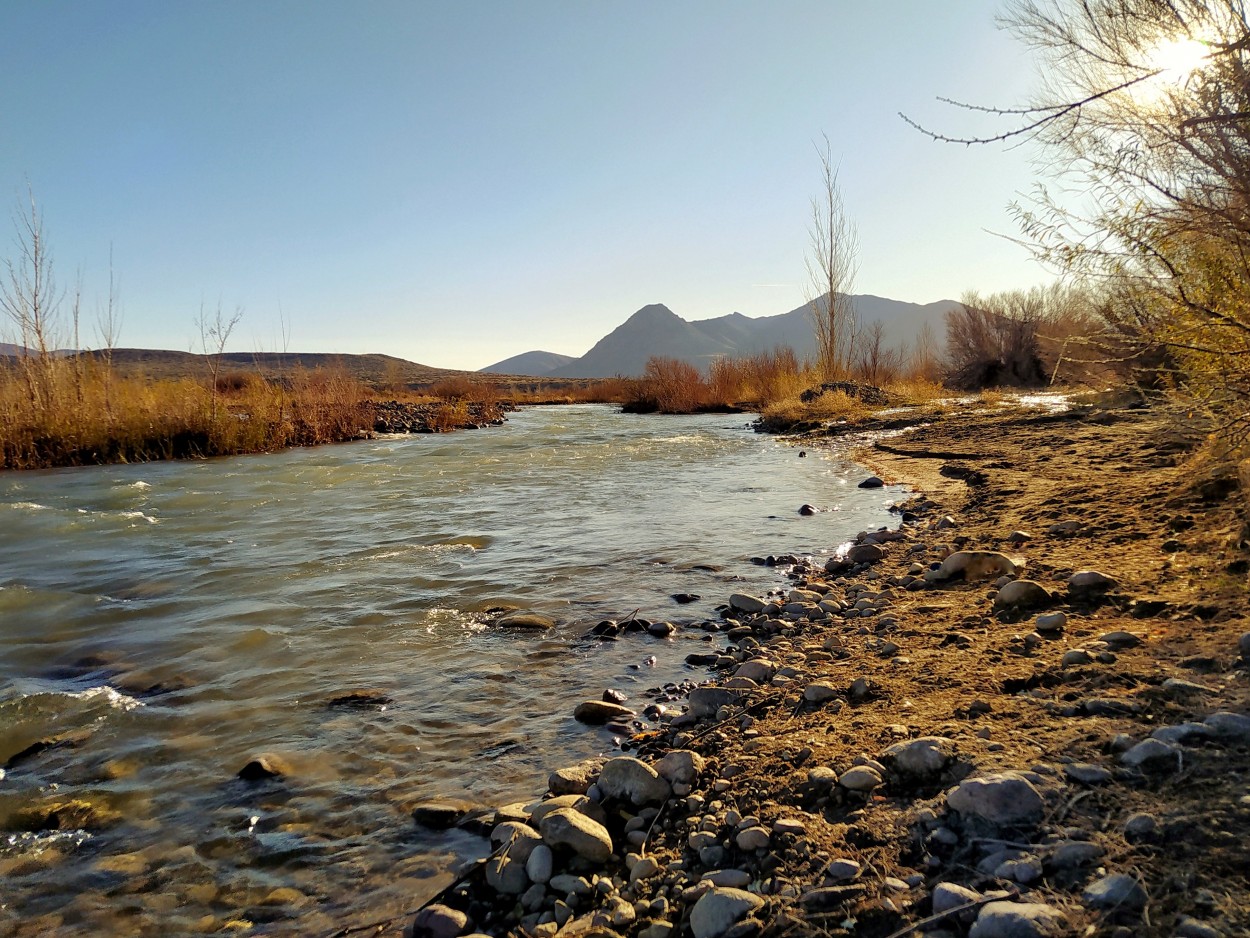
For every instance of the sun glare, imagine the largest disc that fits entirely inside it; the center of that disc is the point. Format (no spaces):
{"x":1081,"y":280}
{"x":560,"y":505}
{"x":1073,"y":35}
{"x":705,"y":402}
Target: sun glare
{"x":1176,"y":59}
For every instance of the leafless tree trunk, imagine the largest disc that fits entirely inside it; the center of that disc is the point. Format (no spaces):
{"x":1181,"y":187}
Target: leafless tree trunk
{"x":831,"y":266}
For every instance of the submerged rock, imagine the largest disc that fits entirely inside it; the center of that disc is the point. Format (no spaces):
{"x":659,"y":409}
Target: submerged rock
{"x":264,"y":767}
{"x":599,"y":712}
{"x":526,"y":621}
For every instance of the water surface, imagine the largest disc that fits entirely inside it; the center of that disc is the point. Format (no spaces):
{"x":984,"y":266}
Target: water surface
{"x":169,"y":621}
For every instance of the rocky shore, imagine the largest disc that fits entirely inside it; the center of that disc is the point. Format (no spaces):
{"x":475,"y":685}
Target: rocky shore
{"x":398,"y":417}
{"x":1023,"y":712}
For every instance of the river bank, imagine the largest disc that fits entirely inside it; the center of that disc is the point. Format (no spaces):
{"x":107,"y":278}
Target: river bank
{"x":1022,"y":713}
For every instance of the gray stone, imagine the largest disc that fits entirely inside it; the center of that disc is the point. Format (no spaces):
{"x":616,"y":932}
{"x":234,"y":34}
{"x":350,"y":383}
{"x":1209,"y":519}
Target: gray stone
{"x":574,"y":779}
{"x":748,"y":604}
{"x":1002,"y":799}
{"x":1087,"y":774}
{"x":706,"y":701}
{"x":680,"y":767}
{"x":735,"y":879}
{"x":1243,"y":645}
{"x":872,"y":482}
{"x":440,"y":815}
{"x":599,"y":712}
{"x":1022,"y":594}
{"x":720,"y":909}
{"x":645,"y":868}
{"x":570,"y":885}
{"x":1152,"y":754}
{"x":1088,"y":581}
{"x":506,"y":874}
{"x":865,"y":553}
{"x":1120,"y":639}
{"x":1140,"y":827}
{"x":1192,"y":928}
{"x":1227,"y":725}
{"x":523,"y":838}
{"x":565,"y":827}
{"x":527,"y":621}
{"x":1064,"y":528}
{"x":861,"y":778}
{"x":947,"y":896}
{"x":752,"y":838}
{"x":1076,"y":656}
{"x":439,"y":921}
{"x":1180,"y":688}
{"x":632,"y":780}
{"x":842,"y":870}
{"x":539,"y":809}
{"x":1182,"y":732}
{"x":759,"y":670}
{"x":541,"y":864}
{"x":921,"y":758}
{"x":1050,"y":622}
{"x":977,"y":565}
{"x":1017,"y":920}
{"x":819,"y":692}
{"x":1117,"y":891}
{"x":1074,"y":854}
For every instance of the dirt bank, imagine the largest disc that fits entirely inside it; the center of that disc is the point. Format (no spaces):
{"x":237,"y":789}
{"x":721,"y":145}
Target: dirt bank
{"x":893,"y":748}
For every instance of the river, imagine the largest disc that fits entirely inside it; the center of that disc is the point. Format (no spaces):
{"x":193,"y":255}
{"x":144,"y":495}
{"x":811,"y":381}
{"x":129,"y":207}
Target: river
{"x":164,"y":623}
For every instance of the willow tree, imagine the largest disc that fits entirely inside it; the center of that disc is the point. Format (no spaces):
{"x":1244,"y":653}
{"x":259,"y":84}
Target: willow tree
{"x":1146,"y":112}
{"x":832,"y":262}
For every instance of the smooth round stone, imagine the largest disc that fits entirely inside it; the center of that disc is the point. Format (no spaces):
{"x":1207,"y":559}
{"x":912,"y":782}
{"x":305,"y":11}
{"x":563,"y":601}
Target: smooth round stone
{"x":1051,"y":622}
{"x":752,"y":838}
{"x":1119,"y":890}
{"x":860,"y":778}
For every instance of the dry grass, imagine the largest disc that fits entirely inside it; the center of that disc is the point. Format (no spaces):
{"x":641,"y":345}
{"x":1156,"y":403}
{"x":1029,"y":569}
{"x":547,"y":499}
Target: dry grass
{"x":58,"y":412}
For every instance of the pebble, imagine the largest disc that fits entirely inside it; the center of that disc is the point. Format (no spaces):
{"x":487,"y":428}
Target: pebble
{"x":1192,"y":928}
{"x":1117,"y":891}
{"x":842,"y":870}
{"x":1073,"y":854}
{"x":1051,"y":622}
{"x":947,"y":896}
{"x":861,"y":778}
{"x":1076,"y":656}
{"x":1022,"y":594}
{"x":1087,"y":774}
{"x":540,"y":864}
{"x":819,"y":692}
{"x":1140,"y":827}
{"x":752,"y":838}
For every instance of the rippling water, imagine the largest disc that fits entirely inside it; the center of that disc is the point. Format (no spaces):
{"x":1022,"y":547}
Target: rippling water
{"x":167,"y":622}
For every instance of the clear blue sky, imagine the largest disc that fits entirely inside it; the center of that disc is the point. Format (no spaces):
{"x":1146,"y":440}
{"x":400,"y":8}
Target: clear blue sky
{"x":457,"y":182}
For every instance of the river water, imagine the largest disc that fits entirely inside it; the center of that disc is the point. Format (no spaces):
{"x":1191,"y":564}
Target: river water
{"x":164,"y":623}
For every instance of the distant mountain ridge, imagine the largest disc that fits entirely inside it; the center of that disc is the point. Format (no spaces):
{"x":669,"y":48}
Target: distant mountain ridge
{"x":657,"y":330}
{"x":533,"y":364}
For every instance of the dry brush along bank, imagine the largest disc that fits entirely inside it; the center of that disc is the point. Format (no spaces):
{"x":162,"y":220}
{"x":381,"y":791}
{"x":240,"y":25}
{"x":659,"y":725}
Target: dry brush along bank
{"x":1025,"y":712}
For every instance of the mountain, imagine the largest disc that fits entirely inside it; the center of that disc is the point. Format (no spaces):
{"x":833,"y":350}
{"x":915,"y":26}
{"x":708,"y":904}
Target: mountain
{"x":533,"y":364}
{"x":657,"y":330}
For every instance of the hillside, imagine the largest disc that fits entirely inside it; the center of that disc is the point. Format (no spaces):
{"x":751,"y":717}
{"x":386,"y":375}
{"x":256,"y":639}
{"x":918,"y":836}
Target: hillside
{"x":657,"y":330}
{"x":530,"y":364}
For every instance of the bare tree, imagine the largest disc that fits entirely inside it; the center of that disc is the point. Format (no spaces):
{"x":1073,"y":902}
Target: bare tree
{"x":214,"y":334}
{"x":31,"y":301}
{"x":875,"y":362}
{"x":1146,"y":111}
{"x":108,"y":331}
{"x":832,"y":263}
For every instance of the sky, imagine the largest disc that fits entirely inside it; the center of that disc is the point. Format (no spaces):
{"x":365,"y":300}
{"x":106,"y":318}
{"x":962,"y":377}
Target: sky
{"x":458,"y":182}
